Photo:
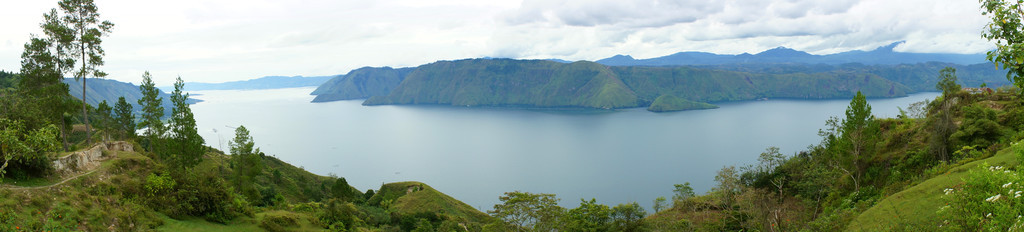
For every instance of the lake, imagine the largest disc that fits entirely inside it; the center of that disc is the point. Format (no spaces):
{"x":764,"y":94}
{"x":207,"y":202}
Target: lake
{"x":477,"y":154}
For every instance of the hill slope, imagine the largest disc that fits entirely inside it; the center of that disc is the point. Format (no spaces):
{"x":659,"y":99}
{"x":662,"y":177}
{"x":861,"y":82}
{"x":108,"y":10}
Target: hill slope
{"x":360,"y":84}
{"x":506,"y":82}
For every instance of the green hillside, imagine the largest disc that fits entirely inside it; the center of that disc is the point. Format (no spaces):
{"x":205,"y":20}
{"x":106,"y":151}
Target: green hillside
{"x":548,"y":84}
{"x":360,"y":84}
{"x":668,"y":103}
{"x":916,"y":207}
{"x":506,"y":82}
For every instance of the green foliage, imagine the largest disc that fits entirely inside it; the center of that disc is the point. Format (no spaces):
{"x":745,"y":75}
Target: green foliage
{"x":246,"y":162}
{"x":529,"y":211}
{"x":341,"y":190}
{"x":979,"y":127}
{"x":124,"y":120}
{"x":506,"y":82}
{"x":589,"y":216}
{"x":682,"y":192}
{"x":186,"y":146}
{"x":76,"y":33}
{"x":668,"y":103}
{"x":361,"y":83}
{"x":25,"y":152}
{"x":628,"y":217}
{"x":947,"y":81}
{"x":105,"y":117}
{"x":659,"y":204}
{"x":152,"y":111}
{"x":989,"y":199}
{"x":338,"y":215}
{"x":1007,"y":31}
{"x":275,"y":223}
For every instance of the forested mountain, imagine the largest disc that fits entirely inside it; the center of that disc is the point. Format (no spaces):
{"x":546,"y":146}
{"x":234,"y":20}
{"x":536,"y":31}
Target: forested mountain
{"x":270,"y":82}
{"x":783,"y":55}
{"x":110,"y":90}
{"x":360,"y":84}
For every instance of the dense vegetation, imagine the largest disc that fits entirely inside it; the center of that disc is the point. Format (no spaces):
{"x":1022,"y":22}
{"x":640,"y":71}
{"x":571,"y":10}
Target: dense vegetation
{"x":668,"y":103}
{"x":536,"y":83}
{"x":360,"y":84}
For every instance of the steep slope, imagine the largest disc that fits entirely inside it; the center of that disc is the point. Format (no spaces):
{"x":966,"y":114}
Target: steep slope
{"x":360,"y":84}
{"x":917,"y":205}
{"x":506,"y":82}
{"x":708,"y":85}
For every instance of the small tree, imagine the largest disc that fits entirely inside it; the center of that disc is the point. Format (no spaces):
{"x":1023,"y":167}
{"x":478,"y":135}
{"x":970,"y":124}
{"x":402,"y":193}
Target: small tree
{"x":947,"y":81}
{"x":589,"y":216}
{"x":628,"y":217}
{"x":124,"y":120}
{"x":659,"y":204}
{"x":682,"y":192}
{"x":529,"y":211}
{"x":246,"y":161}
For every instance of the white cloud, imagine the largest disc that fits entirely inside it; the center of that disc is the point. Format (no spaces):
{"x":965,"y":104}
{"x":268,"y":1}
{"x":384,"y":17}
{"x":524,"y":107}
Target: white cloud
{"x":222,"y":40}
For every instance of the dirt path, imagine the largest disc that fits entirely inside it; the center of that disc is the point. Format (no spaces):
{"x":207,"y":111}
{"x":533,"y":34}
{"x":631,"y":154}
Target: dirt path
{"x":88,"y":160}
{"x":51,"y":185}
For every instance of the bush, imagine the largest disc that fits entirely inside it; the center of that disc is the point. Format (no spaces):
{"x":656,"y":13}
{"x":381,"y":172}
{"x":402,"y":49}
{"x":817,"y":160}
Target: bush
{"x":990,"y":199}
{"x":275,"y":223}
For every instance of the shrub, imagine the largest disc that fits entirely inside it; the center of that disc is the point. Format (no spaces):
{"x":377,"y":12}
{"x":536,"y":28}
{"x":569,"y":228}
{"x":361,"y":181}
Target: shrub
{"x":275,"y":223}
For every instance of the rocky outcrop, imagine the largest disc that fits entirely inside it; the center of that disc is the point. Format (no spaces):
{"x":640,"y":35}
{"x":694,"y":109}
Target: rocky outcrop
{"x":88,"y":159}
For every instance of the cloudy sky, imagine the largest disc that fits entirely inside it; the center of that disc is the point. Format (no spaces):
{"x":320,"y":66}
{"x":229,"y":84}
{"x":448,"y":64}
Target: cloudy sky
{"x":227,"y":40}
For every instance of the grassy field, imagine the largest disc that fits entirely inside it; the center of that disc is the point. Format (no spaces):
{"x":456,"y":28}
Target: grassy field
{"x":914,"y":209}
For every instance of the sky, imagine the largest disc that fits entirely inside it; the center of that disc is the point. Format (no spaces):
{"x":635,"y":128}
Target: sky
{"x":228,"y":40}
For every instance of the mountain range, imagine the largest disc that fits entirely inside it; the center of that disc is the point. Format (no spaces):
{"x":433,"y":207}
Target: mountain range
{"x":884,"y":55}
{"x":268,"y":82}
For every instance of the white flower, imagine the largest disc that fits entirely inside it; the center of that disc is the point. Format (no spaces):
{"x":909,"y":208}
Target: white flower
{"x":988,"y":215}
{"x":947,"y":191}
{"x":1007,"y":185}
{"x":994,"y":198}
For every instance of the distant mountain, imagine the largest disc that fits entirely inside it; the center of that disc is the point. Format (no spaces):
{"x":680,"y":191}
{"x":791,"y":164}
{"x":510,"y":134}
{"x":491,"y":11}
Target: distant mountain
{"x":584,"y":84}
{"x":270,"y":82}
{"x":360,"y":84}
{"x":782,"y":55}
{"x":110,"y":90}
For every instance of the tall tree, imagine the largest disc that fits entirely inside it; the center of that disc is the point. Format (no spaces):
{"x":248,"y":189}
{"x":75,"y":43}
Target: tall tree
{"x":76,"y":32}
{"x":187,"y":145}
{"x":152,"y":111}
{"x":856,"y":136}
{"x":41,"y":86}
{"x":529,"y":211}
{"x":124,"y":120}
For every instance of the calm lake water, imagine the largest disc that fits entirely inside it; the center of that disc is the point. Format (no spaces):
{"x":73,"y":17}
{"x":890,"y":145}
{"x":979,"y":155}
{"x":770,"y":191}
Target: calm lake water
{"x":477,"y":154}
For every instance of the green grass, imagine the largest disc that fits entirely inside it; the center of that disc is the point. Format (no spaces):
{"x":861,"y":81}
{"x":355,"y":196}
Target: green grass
{"x":915,"y":208}
{"x":414,"y":197}
{"x":198,"y":224}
